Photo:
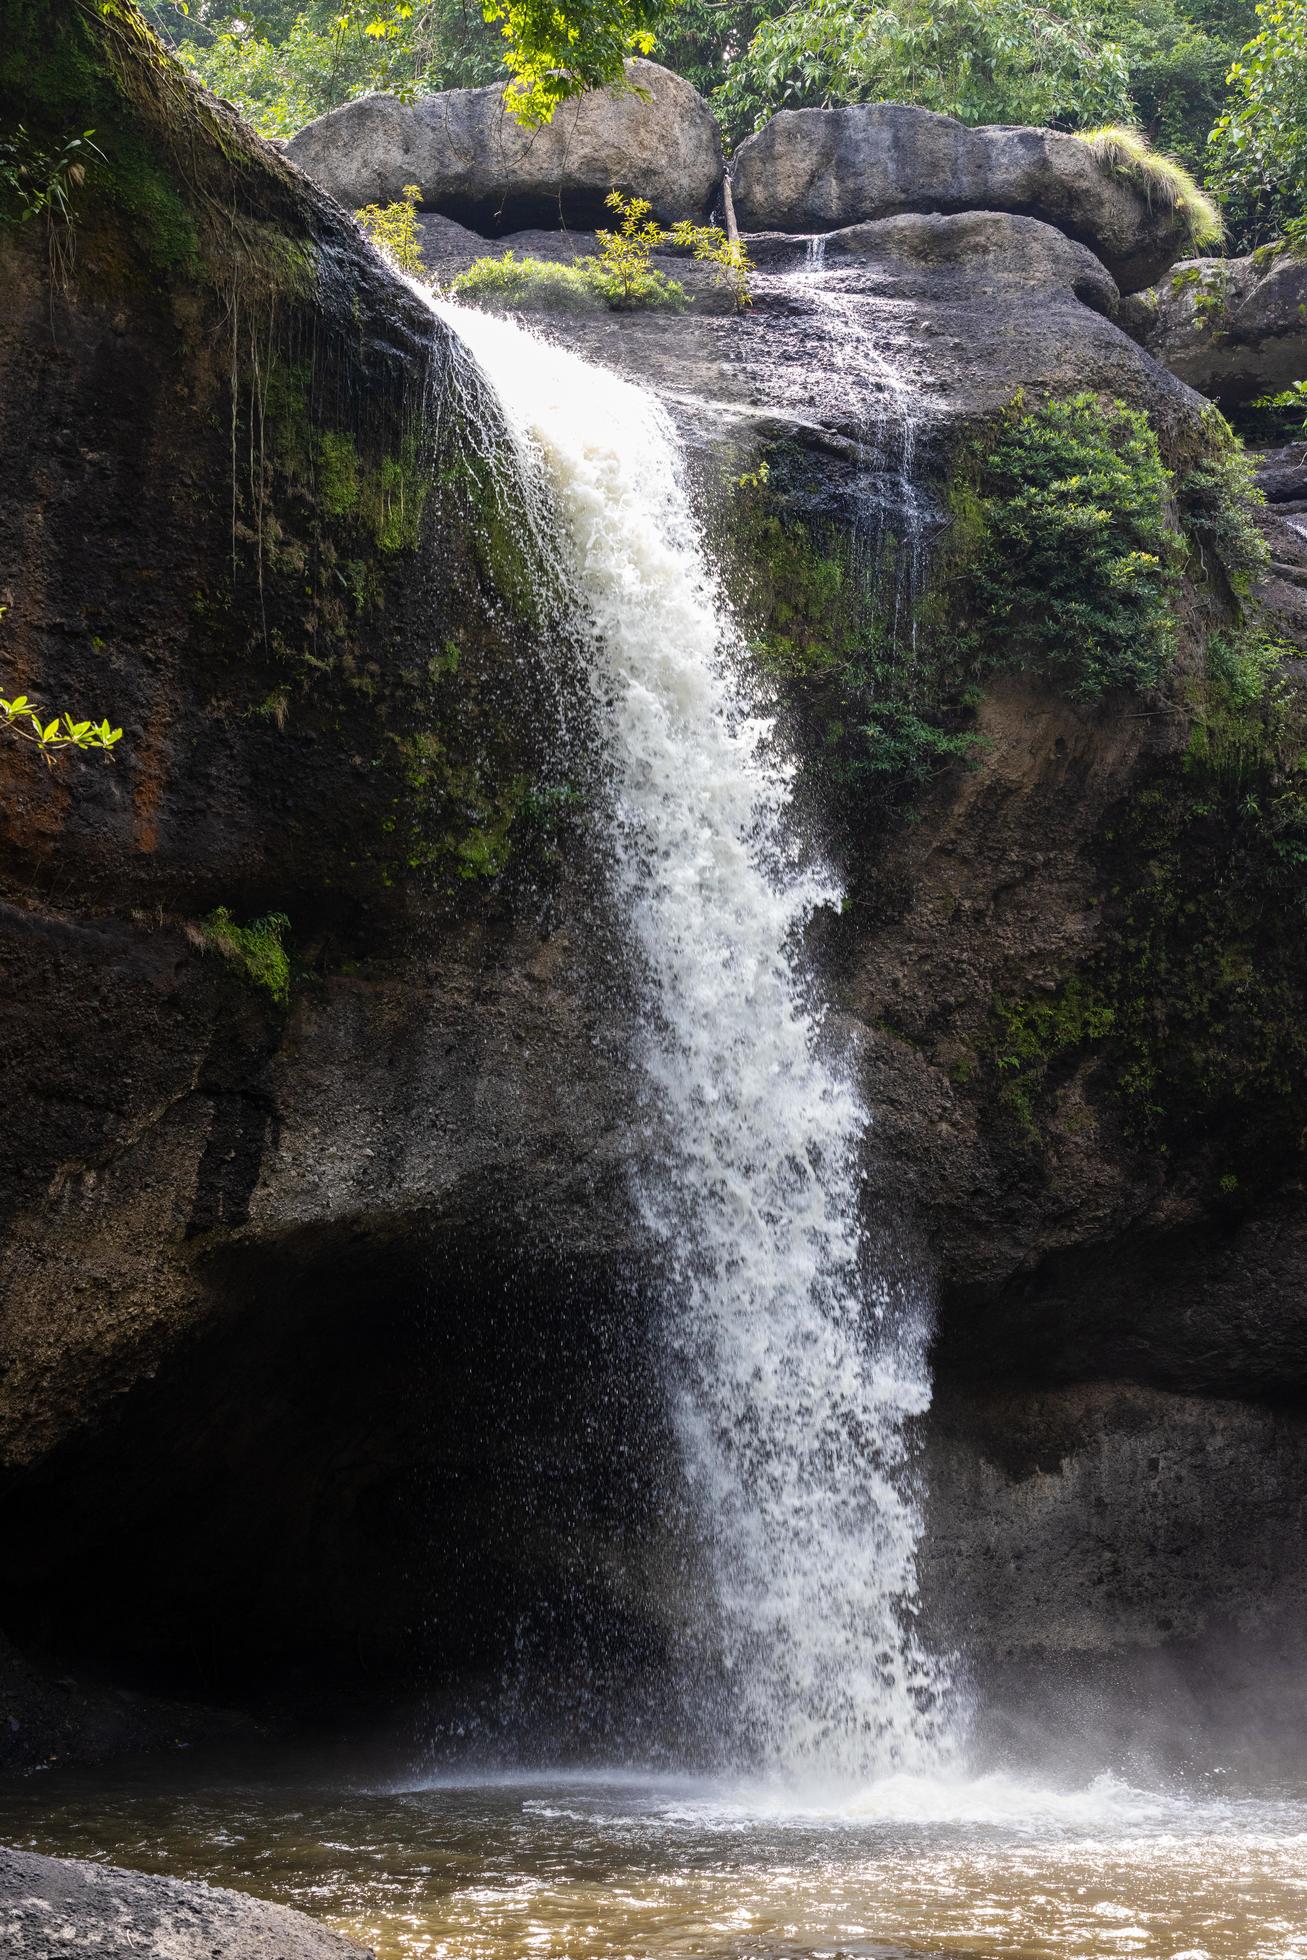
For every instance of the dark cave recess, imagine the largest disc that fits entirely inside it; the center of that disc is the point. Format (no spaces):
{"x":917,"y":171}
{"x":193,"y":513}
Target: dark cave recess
{"x":423,"y":1468}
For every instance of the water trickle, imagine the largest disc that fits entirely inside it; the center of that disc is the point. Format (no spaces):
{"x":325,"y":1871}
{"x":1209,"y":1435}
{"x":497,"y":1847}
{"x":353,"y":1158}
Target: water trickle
{"x":795,"y":1370}
{"x":863,"y":344}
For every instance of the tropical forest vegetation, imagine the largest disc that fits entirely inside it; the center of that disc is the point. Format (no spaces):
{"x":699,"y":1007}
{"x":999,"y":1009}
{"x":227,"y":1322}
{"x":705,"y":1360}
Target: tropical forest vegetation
{"x":1221,"y":85}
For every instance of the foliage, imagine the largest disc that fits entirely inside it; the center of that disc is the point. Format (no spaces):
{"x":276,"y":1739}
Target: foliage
{"x":729,"y":256}
{"x":543,"y":285}
{"x":1260,"y":144}
{"x":393,"y":230}
{"x":258,"y":949}
{"x":1067,"y":562}
{"x":328,"y":55}
{"x":624,"y":263}
{"x":703,"y":39}
{"x":1017,"y":61}
{"x":529,"y":285}
{"x":20,"y":717}
{"x":556,"y":51}
{"x":626,"y":274}
{"x":1194,"y":1010}
{"x":1204,"y":962}
{"x":1218,"y":501}
{"x":879,"y":721}
{"x":1163,"y":181}
{"x":283,"y":65}
{"x":622,"y":276}
{"x":1025,"y":1037}
{"x":1177,"y":54}
{"x":1276,"y":418}
{"x":36,"y":181}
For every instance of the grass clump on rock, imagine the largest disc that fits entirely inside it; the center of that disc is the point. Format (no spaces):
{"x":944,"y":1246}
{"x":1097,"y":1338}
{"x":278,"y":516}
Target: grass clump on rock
{"x":1165,"y":183}
{"x":258,"y":949}
{"x":527,"y":285}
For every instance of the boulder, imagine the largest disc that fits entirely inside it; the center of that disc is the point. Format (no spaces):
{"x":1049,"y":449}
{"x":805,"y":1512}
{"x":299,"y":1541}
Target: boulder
{"x":473,"y":162}
{"x":822,"y":169}
{"x":1282,"y":590}
{"x":53,"y":1907}
{"x":1232,"y":328}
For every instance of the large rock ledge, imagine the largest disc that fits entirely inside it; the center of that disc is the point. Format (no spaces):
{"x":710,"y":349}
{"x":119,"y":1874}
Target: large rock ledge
{"x":53,"y":1908}
{"x":823,"y":169}
{"x":472,"y":162}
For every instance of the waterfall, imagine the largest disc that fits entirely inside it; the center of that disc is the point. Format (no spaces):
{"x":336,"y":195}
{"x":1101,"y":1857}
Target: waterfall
{"x":795,"y":1370}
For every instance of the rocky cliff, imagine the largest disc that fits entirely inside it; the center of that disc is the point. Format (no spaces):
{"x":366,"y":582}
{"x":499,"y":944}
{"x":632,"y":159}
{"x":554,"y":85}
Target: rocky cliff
{"x":316,"y":1019}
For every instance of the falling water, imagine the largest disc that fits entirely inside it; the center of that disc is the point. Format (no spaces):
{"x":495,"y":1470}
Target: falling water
{"x":862,"y":344}
{"x":794,"y":1370}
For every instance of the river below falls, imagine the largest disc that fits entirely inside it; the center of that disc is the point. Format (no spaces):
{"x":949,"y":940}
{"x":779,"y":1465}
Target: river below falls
{"x":566,"y":1866}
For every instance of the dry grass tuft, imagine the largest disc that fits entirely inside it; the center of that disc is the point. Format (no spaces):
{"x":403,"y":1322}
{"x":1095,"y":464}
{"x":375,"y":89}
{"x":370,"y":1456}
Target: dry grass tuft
{"x":1162,"y":180}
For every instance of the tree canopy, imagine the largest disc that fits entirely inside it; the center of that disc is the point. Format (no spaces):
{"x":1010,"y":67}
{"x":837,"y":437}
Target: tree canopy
{"x":1219,"y":84}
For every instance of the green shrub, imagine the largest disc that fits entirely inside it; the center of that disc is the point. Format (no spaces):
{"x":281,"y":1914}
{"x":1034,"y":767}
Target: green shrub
{"x":1276,"y":418}
{"x":530,"y":285}
{"x":1218,"y":500}
{"x":728,"y":256}
{"x":393,"y":229}
{"x":257,"y":948}
{"x":1067,"y":562}
{"x":878,"y":720}
{"x":622,"y":276}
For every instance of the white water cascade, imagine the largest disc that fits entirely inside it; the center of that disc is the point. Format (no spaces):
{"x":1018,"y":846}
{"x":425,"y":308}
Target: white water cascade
{"x":795,"y":1369}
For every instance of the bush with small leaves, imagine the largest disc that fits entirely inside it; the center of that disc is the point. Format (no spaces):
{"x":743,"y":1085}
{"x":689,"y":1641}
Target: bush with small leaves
{"x":393,"y":229}
{"x":729,"y":256}
{"x":1069,"y":563}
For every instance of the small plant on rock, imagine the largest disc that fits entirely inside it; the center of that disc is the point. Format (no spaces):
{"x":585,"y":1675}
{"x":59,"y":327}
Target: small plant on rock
{"x":711,"y":246}
{"x":20,"y":717}
{"x":624,"y":271}
{"x":393,"y":229}
{"x":38,"y":183}
{"x":258,"y":948}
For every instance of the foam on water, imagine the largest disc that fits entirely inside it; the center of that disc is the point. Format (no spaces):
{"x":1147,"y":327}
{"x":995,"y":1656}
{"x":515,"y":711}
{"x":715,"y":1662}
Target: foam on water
{"x":796,"y":1369}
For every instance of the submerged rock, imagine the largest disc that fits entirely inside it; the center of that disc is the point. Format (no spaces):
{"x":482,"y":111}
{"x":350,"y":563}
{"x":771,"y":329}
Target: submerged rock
{"x":1232,"y":328}
{"x":822,"y":169}
{"x":473,"y":162}
{"x":53,"y":1907}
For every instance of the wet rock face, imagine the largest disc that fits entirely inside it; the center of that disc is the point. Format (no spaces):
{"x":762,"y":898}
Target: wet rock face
{"x":814,"y":170}
{"x":51,"y":1907}
{"x":474,"y":163}
{"x":969,"y":307}
{"x":380,"y":1198}
{"x":1232,"y":328}
{"x":1131,"y":1554}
